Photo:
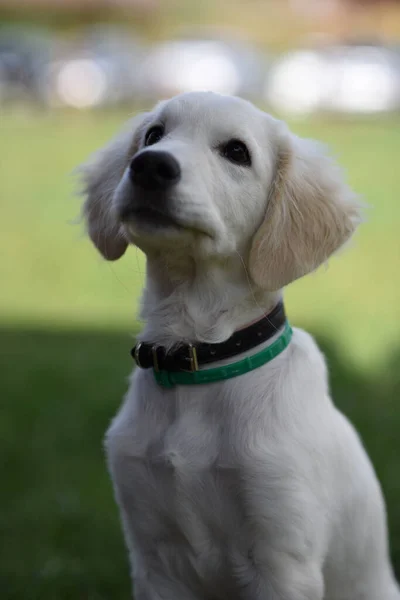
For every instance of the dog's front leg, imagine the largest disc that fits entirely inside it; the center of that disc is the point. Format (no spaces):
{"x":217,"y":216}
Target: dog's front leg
{"x":153,"y":586}
{"x":287,"y":528}
{"x":293,"y":579}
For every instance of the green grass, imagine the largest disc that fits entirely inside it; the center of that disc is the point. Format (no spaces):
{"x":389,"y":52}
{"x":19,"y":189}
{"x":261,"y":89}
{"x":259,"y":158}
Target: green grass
{"x":66,"y":320}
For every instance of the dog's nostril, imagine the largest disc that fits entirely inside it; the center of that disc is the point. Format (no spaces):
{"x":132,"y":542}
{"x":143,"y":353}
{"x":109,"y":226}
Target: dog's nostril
{"x":167,"y":171}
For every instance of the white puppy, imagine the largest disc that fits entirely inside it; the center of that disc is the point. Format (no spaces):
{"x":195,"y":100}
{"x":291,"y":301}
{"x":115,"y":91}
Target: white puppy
{"x":254,"y":487}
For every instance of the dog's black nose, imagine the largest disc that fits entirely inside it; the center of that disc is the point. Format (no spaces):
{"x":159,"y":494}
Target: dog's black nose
{"x":154,"y":170}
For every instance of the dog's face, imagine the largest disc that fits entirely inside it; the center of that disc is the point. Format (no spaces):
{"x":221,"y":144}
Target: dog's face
{"x":198,"y":174}
{"x":210,"y":176}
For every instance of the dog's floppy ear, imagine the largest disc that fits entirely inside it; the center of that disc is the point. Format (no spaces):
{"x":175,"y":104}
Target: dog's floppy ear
{"x":100,"y":177}
{"x":310,"y":213}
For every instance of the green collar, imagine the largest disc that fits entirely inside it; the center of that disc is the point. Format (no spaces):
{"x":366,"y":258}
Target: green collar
{"x":168,"y":379}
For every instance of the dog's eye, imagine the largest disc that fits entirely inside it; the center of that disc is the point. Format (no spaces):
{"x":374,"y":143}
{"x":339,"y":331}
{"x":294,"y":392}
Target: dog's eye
{"x":154,"y":135}
{"x":237,"y":152}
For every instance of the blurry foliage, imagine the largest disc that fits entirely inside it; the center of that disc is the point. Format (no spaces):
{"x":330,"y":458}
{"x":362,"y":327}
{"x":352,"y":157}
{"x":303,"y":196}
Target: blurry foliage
{"x":271,"y":24}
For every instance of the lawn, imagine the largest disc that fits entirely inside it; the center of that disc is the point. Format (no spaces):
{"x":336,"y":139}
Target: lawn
{"x":66,"y":325}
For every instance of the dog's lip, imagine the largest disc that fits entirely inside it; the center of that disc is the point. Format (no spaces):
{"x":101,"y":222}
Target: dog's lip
{"x":155,"y":217}
{"x":151,"y":215}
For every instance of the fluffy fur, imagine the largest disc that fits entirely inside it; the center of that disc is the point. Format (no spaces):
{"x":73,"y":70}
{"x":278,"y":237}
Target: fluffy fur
{"x":256,"y":488}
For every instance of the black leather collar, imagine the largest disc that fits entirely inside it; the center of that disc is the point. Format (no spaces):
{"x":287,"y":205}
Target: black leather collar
{"x":188,"y":357}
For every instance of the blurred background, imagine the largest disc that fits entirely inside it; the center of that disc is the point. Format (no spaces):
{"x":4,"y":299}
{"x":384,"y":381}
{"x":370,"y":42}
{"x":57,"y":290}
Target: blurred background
{"x":71,"y":71}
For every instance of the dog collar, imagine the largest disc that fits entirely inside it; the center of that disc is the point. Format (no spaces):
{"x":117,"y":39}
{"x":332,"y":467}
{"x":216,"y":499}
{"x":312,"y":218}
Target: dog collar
{"x":168,"y":379}
{"x":181,"y":365}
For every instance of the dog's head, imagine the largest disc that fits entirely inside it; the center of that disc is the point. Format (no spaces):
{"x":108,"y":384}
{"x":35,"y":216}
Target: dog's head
{"x":210,"y":176}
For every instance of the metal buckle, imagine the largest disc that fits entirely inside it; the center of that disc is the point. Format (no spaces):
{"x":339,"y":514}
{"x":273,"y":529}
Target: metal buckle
{"x":194,"y":365}
{"x":136,"y":354}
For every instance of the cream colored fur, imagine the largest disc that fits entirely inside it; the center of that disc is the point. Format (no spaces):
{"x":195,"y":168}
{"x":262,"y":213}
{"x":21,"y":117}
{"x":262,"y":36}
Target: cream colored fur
{"x":256,"y":488}
{"x":311,"y":213}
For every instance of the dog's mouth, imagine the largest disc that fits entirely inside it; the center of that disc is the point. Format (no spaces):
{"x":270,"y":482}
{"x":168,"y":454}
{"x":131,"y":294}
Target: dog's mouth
{"x":150,"y":216}
{"x":152,"y":219}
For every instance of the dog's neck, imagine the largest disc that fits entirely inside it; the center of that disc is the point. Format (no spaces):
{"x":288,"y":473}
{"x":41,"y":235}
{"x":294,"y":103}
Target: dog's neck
{"x":199,"y":301}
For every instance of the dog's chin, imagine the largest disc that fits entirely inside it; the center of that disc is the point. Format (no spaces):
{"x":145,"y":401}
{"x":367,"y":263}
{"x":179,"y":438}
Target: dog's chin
{"x":148,"y":228}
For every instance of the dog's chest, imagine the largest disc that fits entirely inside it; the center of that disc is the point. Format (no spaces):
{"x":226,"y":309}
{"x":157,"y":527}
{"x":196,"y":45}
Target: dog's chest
{"x":179,"y":478}
{"x":181,"y":457}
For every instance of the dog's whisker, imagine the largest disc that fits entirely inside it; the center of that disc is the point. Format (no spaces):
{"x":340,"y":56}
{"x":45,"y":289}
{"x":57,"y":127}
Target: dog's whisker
{"x":118,"y":278}
{"x":137,"y":262}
